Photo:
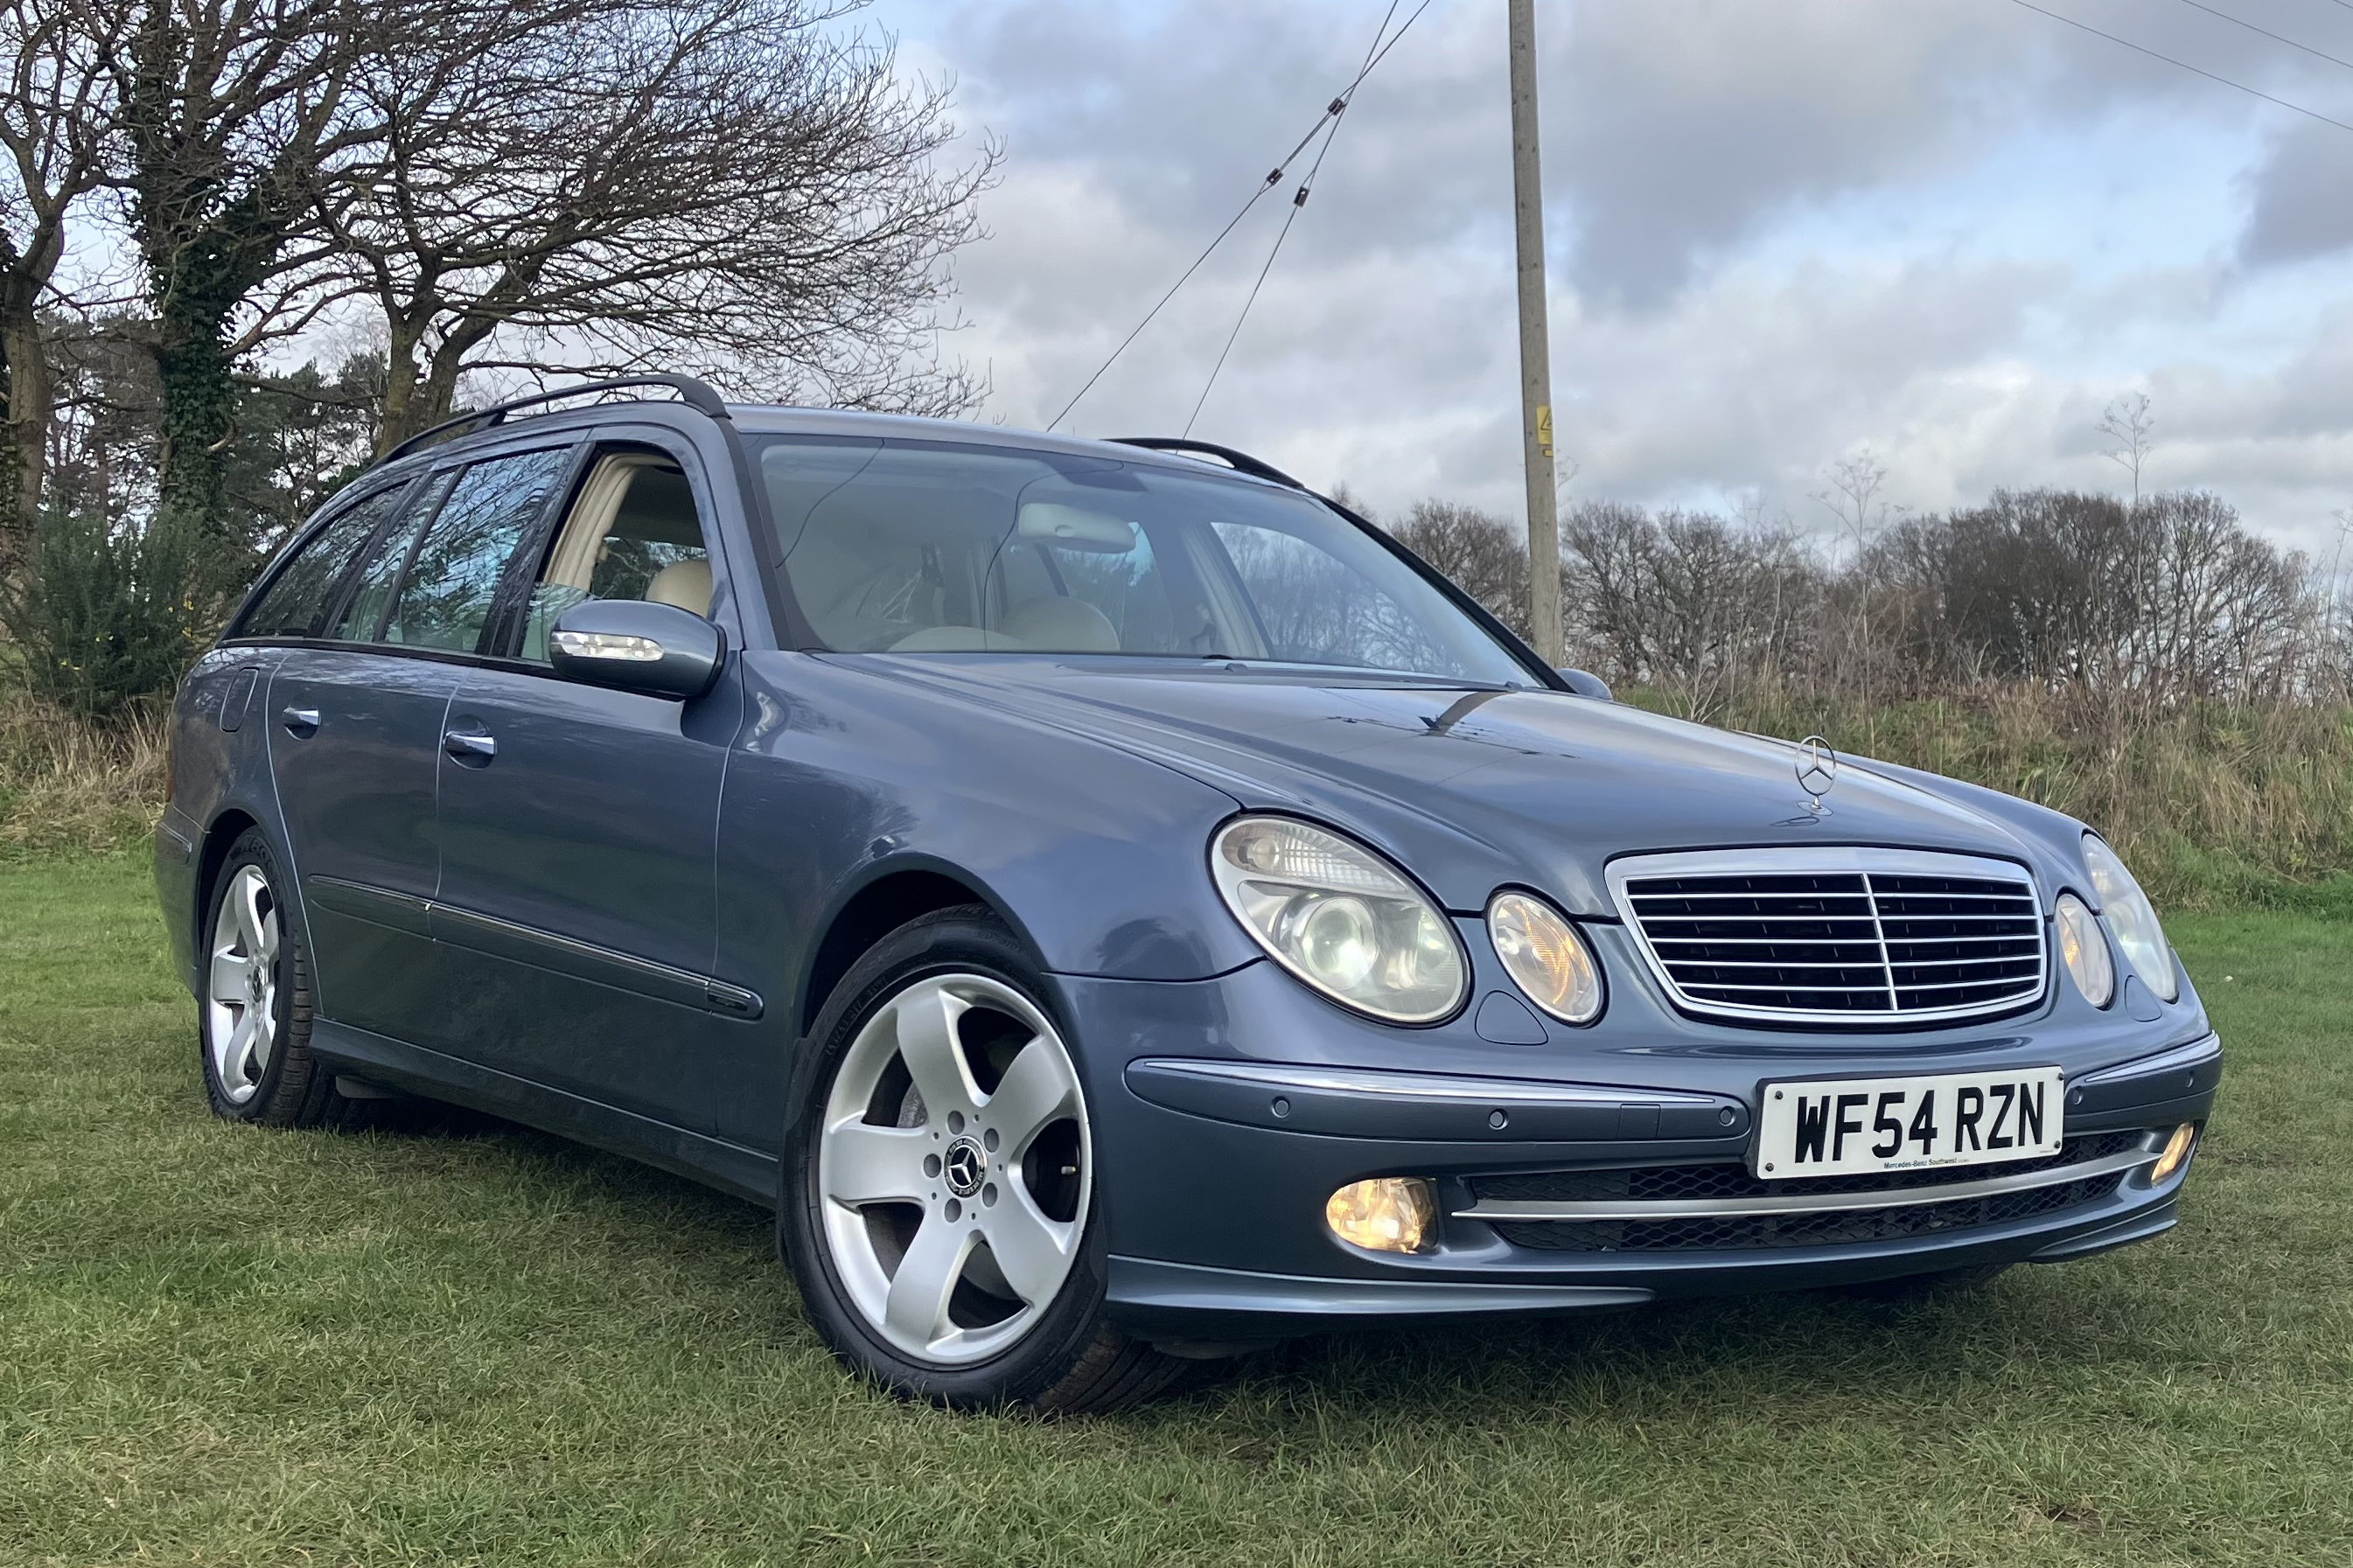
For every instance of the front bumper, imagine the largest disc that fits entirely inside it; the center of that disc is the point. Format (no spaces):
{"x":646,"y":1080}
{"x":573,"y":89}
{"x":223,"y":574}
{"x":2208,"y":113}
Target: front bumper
{"x":1215,"y":1161}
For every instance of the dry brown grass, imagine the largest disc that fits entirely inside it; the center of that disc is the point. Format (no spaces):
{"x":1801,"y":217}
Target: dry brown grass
{"x":67,"y":785}
{"x":2212,"y":804}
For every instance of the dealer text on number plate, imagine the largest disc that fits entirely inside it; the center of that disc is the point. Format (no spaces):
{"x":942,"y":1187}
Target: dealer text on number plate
{"x":1856,"y":1126}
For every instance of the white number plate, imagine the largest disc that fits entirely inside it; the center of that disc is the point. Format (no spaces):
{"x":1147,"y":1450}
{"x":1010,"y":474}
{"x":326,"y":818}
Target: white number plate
{"x":1856,"y":1126}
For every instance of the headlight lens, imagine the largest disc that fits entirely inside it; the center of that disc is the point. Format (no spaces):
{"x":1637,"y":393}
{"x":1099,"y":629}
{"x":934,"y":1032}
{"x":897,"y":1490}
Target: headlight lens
{"x":2132,"y":918}
{"x":1340,"y":918}
{"x":1544,"y":953}
{"x":2086,"y":952}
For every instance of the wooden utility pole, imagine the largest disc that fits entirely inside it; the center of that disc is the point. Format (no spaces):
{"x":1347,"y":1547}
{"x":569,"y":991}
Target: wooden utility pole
{"x":1535,"y":349}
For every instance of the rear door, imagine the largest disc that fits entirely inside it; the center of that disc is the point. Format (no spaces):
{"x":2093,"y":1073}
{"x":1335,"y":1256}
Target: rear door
{"x":350,"y":737}
{"x":579,"y":825}
{"x":356,"y":719}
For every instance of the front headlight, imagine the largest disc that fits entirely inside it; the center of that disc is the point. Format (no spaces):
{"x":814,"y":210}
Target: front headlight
{"x":2086,"y":952}
{"x":1341,"y":918}
{"x":1544,"y":954}
{"x":2132,"y":918}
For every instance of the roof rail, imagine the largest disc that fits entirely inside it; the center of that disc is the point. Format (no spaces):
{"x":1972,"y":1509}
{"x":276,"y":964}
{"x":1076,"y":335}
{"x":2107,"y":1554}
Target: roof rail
{"x":1241,"y":462}
{"x":694,"y":393}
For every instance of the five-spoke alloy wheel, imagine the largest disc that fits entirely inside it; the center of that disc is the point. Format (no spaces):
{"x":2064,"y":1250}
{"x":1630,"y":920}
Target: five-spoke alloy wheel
{"x":954,"y":1167}
{"x":253,"y":1004}
{"x":939,"y":1190}
{"x":241,"y":1021}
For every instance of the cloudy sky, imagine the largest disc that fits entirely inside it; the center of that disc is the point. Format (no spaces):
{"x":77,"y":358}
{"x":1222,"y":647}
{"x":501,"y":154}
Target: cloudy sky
{"x":1781,"y":232}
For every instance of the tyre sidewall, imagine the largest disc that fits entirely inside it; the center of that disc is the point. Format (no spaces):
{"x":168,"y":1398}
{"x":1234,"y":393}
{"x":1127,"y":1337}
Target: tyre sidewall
{"x":965,"y":941}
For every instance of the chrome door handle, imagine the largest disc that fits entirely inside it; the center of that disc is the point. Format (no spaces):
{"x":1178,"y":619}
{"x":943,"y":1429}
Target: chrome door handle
{"x":301,"y":722}
{"x":469,"y":745}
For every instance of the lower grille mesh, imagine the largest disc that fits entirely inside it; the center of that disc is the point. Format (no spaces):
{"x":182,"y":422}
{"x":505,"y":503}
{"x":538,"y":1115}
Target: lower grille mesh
{"x":1709,"y":1233}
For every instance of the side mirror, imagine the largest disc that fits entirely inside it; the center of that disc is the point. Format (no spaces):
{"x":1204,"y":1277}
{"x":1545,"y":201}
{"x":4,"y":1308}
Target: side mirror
{"x":633,"y":645}
{"x":1585,"y":683}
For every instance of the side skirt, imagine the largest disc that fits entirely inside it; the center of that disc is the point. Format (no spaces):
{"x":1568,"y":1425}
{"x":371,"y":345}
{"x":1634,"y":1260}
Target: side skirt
{"x":742,"y":1172}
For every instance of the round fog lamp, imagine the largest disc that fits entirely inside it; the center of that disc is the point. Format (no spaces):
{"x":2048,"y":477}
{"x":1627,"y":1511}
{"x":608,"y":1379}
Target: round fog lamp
{"x":2176,"y":1153}
{"x":1386,"y":1214}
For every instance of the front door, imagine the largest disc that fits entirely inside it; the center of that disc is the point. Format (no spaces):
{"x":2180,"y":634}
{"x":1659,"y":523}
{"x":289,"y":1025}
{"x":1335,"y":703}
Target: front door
{"x":578,"y":828}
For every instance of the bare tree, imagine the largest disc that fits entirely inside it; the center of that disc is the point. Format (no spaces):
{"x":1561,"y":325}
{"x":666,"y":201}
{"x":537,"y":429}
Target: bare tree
{"x":57,"y":112}
{"x":725,"y":185}
{"x":230,"y":108}
{"x":1851,"y":493}
{"x":2129,"y":427}
{"x":1487,"y":556}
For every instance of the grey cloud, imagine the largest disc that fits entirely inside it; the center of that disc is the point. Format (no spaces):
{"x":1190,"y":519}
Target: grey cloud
{"x":1699,"y":351}
{"x":2298,"y":205}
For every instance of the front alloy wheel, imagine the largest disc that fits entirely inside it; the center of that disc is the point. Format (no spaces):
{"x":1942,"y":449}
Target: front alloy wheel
{"x":938,"y":1205}
{"x":953,"y":1210}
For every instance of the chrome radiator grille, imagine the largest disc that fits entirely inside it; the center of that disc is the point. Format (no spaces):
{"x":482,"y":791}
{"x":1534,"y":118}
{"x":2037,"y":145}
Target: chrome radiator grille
{"x":1836,"y":936}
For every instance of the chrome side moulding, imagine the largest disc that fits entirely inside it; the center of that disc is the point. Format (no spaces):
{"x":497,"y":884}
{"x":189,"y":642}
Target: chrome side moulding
{"x":527,"y":945}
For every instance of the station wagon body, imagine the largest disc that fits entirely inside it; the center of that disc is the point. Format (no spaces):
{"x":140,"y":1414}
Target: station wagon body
{"x":1121,"y":908}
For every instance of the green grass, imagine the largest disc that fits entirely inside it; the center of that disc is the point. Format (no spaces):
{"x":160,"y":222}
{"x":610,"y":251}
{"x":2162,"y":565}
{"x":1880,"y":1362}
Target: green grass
{"x":224,"y":1345}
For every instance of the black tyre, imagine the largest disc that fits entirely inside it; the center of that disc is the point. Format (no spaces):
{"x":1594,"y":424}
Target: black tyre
{"x":253,"y":1002}
{"x":938,"y":1207}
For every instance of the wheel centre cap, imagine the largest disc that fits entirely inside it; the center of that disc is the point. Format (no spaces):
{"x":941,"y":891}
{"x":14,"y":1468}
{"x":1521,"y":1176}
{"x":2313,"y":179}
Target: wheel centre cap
{"x":964,"y":1165}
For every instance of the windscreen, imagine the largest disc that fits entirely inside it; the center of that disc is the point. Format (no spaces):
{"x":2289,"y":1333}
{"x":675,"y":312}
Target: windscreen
{"x":925,"y":547}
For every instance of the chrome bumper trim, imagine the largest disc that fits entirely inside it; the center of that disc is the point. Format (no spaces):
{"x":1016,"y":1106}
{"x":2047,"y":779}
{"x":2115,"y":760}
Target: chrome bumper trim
{"x":1810,"y":1203}
{"x":1415,"y":1086}
{"x":2196,"y":1054}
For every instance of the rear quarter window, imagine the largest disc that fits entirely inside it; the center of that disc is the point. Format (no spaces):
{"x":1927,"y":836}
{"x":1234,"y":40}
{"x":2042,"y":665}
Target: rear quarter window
{"x":299,"y":595}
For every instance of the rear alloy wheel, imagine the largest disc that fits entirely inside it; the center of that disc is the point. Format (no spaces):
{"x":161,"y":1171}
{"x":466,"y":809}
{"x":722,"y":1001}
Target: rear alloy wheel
{"x":940,"y":1196}
{"x":253,"y":1002}
{"x":242,"y":1009}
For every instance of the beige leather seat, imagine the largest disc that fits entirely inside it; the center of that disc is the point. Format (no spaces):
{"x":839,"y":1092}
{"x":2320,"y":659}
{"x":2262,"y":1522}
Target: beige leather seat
{"x":1056,"y":625}
{"x":685,"y":584}
{"x":1049,"y":625}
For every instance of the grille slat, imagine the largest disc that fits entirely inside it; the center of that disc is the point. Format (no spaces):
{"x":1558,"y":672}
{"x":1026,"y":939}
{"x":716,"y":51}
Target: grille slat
{"x":1884,"y":937}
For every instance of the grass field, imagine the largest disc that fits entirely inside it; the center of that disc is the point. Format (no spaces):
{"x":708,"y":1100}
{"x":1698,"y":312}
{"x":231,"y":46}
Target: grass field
{"x":218,"y":1345}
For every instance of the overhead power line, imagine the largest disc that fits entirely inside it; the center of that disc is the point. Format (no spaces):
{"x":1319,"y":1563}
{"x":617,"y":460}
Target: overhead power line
{"x":2266,"y":32}
{"x":2185,"y":65}
{"x":1298,"y":205}
{"x":1332,"y":111}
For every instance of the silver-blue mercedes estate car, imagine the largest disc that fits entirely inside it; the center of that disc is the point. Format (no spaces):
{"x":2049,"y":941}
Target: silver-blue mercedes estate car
{"x":1119,"y":907}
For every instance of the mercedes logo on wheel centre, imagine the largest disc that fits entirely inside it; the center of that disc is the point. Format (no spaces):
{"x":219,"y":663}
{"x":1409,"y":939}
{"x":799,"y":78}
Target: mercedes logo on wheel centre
{"x":965,"y":1166}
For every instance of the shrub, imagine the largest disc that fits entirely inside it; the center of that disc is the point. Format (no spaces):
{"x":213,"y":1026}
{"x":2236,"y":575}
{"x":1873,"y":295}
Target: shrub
{"x":109,"y":614}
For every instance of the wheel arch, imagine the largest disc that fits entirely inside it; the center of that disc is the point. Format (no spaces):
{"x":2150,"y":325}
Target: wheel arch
{"x":890,"y":896}
{"x":226,"y":827}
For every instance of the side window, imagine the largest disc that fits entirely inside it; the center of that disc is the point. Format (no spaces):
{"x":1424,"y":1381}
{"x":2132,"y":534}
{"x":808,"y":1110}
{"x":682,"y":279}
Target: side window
{"x":632,"y":533}
{"x":297,"y":598}
{"x":370,"y":591}
{"x":445,"y":596}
